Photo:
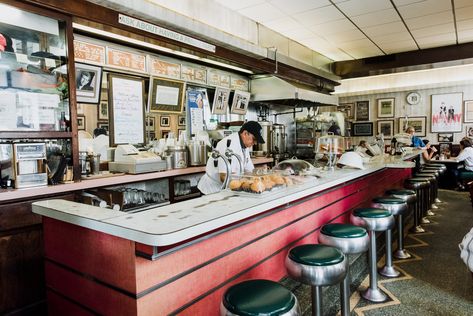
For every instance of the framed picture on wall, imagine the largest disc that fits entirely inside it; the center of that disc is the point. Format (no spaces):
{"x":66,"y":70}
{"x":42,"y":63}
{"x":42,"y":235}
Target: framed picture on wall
{"x":468,"y":108}
{"x":362,"y":129}
{"x":103,"y":125}
{"x":165,"y":121}
{"x":150,"y":123}
{"x":348,"y":109}
{"x":386,"y":107}
{"x":240,"y":102}
{"x":102,"y":111}
{"x":445,"y":137}
{"x":166,"y":95}
{"x":181,"y":120}
{"x":446,"y":114}
{"x":88,"y":83}
{"x":469,"y":131}
{"x":220,"y":102}
{"x":419,"y":124}
{"x":386,"y":127}
{"x":81,"y":123}
{"x":362,"y":111}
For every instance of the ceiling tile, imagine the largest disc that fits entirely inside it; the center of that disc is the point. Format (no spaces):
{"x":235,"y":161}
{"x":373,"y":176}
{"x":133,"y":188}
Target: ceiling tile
{"x":434,"y":30}
{"x":465,"y":25}
{"x":376,"y":18}
{"x":397,"y":47}
{"x":333,"y":27}
{"x":436,"y":41}
{"x":356,"y":44}
{"x":366,"y":52}
{"x":262,"y":12}
{"x":393,"y":37}
{"x":465,"y":37}
{"x":429,"y":20}
{"x":346,"y":36}
{"x":383,"y":29}
{"x":319,"y":16}
{"x":297,"y":6}
{"x":299,"y":34}
{"x":283,"y":24}
{"x":424,"y":8}
{"x":464,"y":13}
{"x":357,"y":7}
{"x":462,"y":3}
{"x":405,"y":2}
{"x":240,"y":4}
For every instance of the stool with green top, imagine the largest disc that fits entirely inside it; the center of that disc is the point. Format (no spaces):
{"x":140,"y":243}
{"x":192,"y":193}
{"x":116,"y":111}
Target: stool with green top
{"x":421,"y":187}
{"x":350,"y":239}
{"x":434,"y":175}
{"x":396,"y":207}
{"x":409,"y":197}
{"x":374,"y":220}
{"x":317,"y":266}
{"x":259,"y":297}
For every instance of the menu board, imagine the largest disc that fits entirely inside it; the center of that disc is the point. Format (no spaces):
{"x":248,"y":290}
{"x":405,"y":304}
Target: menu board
{"x":164,"y":68}
{"x":89,"y":52}
{"x":218,"y":79}
{"x":193,"y":74}
{"x":126,"y":60}
{"x":239,"y":83}
{"x":127,"y":110}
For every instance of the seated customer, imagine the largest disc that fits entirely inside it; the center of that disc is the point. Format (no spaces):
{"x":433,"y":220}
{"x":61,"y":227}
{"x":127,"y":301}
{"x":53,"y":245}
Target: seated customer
{"x":416,"y":141}
{"x":466,"y":155}
{"x":428,"y":153}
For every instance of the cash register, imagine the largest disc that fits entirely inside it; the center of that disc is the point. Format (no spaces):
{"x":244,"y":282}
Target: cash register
{"x":129,"y":159}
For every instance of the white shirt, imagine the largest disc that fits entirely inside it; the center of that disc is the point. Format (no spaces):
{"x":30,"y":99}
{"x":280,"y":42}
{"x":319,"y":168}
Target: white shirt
{"x":466,"y":155}
{"x":210,"y":181}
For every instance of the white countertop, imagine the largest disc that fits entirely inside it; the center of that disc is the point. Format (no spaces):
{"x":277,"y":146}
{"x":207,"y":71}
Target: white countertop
{"x":174,"y":223}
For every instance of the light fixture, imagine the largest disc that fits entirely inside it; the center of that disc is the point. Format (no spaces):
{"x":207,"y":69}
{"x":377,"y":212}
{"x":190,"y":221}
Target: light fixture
{"x":157,"y":47}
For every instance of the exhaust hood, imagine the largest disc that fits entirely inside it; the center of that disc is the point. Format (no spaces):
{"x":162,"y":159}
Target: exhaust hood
{"x":274,"y":90}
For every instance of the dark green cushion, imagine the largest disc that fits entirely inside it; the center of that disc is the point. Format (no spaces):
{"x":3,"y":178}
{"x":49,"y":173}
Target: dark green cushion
{"x":400,"y":192}
{"x":418,"y":179}
{"x":316,"y":255}
{"x":258,"y":297}
{"x":343,"y":231}
{"x":465,"y":175}
{"x":371,"y":212}
{"x":388,"y":200}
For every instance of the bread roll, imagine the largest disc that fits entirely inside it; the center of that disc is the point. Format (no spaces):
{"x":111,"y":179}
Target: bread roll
{"x":257,"y":187}
{"x":235,"y":184}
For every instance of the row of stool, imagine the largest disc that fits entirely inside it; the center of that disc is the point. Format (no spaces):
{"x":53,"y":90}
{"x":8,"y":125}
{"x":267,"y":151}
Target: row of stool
{"x":326,"y":263}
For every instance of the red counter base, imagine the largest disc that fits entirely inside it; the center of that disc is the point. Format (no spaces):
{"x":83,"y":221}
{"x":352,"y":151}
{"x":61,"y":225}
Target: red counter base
{"x":89,"y":272}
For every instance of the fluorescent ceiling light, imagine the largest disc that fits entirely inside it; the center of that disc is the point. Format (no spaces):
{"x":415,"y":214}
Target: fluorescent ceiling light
{"x":157,"y":47}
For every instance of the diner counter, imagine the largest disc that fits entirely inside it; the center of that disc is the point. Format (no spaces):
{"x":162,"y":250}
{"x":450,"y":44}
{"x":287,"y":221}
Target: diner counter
{"x":178,"y":222}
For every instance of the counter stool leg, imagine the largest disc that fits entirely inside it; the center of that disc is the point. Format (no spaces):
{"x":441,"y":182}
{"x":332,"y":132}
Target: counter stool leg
{"x":427,"y":204}
{"x":416,"y":207}
{"x":401,"y":253}
{"x":316,"y":301}
{"x":388,"y":270}
{"x":345,"y":294}
{"x":373,"y":293}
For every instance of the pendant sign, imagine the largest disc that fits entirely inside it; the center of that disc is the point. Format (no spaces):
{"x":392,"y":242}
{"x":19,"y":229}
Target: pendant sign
{"x":161,"y":31}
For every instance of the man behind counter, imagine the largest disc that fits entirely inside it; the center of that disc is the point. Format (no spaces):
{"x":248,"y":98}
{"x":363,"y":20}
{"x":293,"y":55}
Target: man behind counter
{"x":240,"y":144}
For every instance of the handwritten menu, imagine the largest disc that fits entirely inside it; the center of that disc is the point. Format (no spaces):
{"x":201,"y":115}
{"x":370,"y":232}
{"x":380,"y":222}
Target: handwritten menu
{"x":193,"y":74}
{"x":165,"y":69}
{"x":127,"y":60}
{"x":128,"y":111}
{"x":89,"y":52}
{"x":239,"y":84}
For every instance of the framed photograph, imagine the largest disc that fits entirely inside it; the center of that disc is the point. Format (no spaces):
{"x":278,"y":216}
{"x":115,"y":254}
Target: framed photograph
{"x":419,"y":124}
{"x":446,"y":114}
{"x":468,"y":108}
{"x":150,"y":123}
{"x":220,"y":102}
{"x":362,"y":110}
{"x":81,"y":123}
{"x":88,"y":83}
{"x":362,"y":129}
{"x":102,"y":111}
{"x":151,"y":135}
{"x":240,"y":102}
{"x":181,"y":120}
{"x":386,"y":127}
{"x":103,"y":125}
{"x":445,"y":137}
{"x":445,"y":147}
{"x":386,"y":107}
{"x":348,"y":109}
{"x":164,"y":134}
{"x":165,"y":121}
{"x":469,"y":131}
{"x":166,"y":95}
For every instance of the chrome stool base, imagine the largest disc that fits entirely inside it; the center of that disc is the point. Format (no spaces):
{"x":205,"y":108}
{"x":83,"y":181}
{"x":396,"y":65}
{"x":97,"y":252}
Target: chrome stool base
{"x":430,"y":213}
{"x":389,"y":272}
{"x":417,"y":229}
{"x":424,"y":220}
{"x":401,"y":254}
{"x":437,"y":200}
{"x":433,"y":207}
{"x":374,"y":295}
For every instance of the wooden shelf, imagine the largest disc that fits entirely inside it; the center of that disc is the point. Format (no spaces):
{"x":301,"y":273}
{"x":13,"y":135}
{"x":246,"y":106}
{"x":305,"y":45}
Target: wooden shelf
{"x":35,"y":134}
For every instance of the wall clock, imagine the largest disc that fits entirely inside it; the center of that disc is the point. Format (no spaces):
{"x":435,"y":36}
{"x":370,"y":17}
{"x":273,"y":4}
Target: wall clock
{"x":413,"y":98}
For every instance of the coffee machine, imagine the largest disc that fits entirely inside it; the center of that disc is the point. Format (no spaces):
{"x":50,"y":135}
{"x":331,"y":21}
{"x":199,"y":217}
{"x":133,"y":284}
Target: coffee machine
{"x":30,"y":168}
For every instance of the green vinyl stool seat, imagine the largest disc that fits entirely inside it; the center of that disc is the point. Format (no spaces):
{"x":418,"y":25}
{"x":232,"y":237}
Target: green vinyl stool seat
{"x":316,"y":265}
{"x":350,"y":239}
{"x":259,"y":297}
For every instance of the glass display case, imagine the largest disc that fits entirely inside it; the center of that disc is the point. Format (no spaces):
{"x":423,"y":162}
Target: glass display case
{"x":34,"y":90}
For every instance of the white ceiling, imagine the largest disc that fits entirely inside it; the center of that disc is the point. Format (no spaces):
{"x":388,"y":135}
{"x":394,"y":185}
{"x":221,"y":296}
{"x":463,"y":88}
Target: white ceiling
{"x":354,"y":29}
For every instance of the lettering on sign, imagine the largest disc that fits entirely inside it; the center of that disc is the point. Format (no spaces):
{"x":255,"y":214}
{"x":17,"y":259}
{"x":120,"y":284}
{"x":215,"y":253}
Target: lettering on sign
{"x":239,"y":84}
{"x":126,"y":59}
{"x":193,"y":74}
{"x":89,"y":52}
{"x":165,"y":69}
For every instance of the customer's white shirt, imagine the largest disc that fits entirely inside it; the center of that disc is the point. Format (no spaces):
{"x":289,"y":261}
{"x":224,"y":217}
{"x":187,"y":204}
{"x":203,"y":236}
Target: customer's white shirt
{"x":210,"y":181}
{"x":466,"y":155}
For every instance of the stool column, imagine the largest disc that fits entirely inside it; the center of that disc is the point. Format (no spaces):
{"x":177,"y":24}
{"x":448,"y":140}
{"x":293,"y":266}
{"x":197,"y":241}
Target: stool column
{"x":316,"y":301}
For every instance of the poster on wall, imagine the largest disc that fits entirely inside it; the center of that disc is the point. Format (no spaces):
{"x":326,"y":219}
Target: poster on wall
{"x":198,"y":108}
{"x":446,"y":115}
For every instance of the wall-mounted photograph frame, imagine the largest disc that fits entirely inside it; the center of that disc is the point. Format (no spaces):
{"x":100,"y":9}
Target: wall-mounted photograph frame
{"x":127,"y":109}
{"x":167,"y":96}
{"x":348,"y":109}
{"x":220,"y":102}
{"x":88,"y":83}
{"x":81,"y":123}
{"x":446,"y":112}
{"x":102,"y":111}
{"x":469,"y":131}
{"x":103,"y":125}
{"x":386,"y":127}
{"x":419,"y":123}
{"x":468,"y":109}
{"x":362,"y":111}
{"x":445,"y":137}
{"x":165,"y":121}
{"x":386,"y":107}
{"x":240,"y":102}
{"x":181,"y":120}
{"x":150,"y":123}
{"x":165,"y":134}
{"x":362,"y":129}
